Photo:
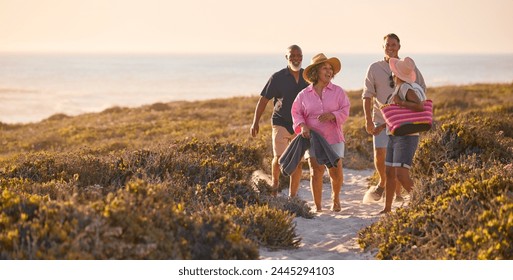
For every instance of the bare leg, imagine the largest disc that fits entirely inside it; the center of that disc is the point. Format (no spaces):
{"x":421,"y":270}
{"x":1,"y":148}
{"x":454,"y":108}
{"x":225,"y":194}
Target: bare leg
{"x":390,"y":188}
{"x":275,"y":174}
{"x":398,"y":188}
{"x":403,"y":176}
{"x":379,"y":164}
{"x":316,"y":173}
{"x":295,"y":178}
{"x":337,"y":179}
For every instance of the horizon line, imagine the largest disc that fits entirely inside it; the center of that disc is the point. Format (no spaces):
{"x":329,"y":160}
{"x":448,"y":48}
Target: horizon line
{"x":32,"y":52}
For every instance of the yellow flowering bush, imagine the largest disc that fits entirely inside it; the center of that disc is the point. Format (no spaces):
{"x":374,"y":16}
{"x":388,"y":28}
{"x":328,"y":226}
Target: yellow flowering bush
{"x":462,"y":205}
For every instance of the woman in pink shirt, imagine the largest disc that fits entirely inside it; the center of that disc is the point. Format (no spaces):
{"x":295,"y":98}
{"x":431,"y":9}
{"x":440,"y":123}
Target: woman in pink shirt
{"x":324,"y":108}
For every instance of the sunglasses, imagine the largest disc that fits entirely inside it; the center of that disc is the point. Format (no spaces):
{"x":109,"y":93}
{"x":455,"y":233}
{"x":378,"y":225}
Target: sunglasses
{"x":391,"y":78}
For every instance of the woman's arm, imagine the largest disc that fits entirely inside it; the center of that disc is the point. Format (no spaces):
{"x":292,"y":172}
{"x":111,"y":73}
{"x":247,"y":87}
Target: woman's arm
{"x":412,"y":101}
{"x":342,"y":113}
{"x":297,"y":113}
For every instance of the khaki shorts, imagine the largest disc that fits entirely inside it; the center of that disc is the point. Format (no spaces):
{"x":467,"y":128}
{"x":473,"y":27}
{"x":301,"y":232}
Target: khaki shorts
{"x":281,"y":139}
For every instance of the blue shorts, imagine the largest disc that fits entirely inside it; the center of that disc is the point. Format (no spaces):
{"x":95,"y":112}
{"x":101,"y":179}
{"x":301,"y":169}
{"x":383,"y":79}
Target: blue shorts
{"x":380,"y":140}
{"x":400,"y":150}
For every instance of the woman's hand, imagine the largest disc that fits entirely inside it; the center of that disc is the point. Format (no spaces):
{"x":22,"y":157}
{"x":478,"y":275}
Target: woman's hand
{"x":412,"y":101}
{"x":305,"y":131}
{"x":326,"y":117}
{"x":397,"y":100}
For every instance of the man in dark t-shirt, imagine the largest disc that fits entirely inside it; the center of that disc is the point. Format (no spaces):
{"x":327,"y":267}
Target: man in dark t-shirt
{"x":282,"y":87}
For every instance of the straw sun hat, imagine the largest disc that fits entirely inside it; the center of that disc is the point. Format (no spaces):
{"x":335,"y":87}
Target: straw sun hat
{"x":321,"y":58}
{"x":404,"y":69}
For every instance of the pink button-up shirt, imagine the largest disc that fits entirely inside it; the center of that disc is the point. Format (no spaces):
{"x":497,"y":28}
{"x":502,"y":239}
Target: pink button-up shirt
{"x":308,"y":106}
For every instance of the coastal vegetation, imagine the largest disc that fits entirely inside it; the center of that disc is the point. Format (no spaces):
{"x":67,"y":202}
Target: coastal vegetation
{"x":174,"y":181}
{"x":462,"y":207}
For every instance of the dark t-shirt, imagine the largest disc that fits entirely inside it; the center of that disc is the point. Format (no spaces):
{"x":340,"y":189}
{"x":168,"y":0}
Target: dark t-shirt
{"x":282,"y":87}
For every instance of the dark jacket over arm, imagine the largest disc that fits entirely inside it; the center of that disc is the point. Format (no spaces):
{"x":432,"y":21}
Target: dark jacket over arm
{"x":297,"y":148}
{"x":323,"y":151}
{"x":293,"y":154}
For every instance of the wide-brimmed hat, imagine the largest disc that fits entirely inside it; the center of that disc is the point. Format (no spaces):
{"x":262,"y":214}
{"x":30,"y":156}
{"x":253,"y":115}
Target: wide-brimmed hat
{"x":321,"y":58}
{"x":404,"y":69}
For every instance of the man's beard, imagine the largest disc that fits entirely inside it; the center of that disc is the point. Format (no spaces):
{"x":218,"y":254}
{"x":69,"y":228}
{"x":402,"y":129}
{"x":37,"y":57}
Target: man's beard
{"x":294,"y":67}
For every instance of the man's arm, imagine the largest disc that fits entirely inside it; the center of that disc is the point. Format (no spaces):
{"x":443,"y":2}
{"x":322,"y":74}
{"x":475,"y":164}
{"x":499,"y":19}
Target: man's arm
{"x":259,"y":110}
{"x":367,"y":110}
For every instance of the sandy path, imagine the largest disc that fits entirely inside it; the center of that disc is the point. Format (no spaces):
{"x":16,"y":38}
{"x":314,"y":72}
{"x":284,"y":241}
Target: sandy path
{"x":330,"y":235}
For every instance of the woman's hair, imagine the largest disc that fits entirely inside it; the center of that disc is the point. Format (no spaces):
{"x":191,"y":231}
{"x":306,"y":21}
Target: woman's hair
{"x":313,"y":73}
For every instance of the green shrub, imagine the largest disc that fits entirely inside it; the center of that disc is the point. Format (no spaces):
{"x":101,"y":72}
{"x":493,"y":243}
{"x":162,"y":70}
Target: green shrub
{"x":293,"y":205}
{"x":159,"y":203}
{"x":139,"y":221}
{"x":267,"y":226}
{"x":462,"y":207}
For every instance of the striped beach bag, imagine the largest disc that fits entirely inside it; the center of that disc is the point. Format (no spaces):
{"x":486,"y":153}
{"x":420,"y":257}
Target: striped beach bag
{"x":402,"y":121}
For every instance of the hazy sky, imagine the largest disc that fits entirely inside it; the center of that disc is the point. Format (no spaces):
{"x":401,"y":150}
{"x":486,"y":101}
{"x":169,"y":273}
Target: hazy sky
{"x":331,"y":26}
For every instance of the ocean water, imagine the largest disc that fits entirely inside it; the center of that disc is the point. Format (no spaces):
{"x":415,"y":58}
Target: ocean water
{"x":35,"y":86}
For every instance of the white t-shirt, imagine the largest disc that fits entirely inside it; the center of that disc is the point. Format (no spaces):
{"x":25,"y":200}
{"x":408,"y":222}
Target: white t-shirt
{"x":402,"y":90}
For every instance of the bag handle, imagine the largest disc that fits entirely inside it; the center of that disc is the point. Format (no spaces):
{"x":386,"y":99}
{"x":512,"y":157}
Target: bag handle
{"x":388,"y":98}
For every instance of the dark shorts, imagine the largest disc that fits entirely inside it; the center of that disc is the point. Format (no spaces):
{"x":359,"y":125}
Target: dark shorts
{"x":400,"y":150}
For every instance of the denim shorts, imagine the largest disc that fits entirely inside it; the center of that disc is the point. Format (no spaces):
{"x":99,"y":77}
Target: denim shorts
{"x":400,"y":150}
{"x":380,"y":140}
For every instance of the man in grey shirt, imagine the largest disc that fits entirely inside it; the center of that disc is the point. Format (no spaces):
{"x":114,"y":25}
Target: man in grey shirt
{"x":378,"y":86}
